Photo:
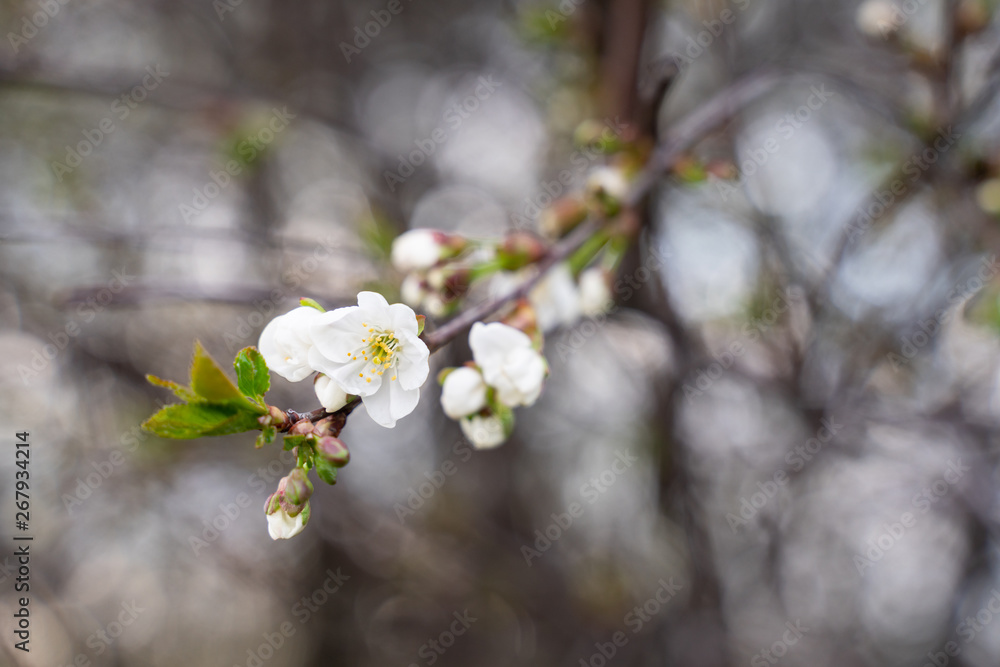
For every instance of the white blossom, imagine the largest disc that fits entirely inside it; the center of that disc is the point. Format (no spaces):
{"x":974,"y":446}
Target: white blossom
{"x":329,"y":393}
{"x":372,"y":350}
{"x":878,"y":18}
{"x":483,"y":432}
{"x":556,"y":299}
{"x":281,"y":526}
{"x":285,"y":343}
{"x":508,"y":361}
{"x":417,"y":249}
{"x":608,"y":181}
{"x":412,"y":290}
{"x":463,"y":393}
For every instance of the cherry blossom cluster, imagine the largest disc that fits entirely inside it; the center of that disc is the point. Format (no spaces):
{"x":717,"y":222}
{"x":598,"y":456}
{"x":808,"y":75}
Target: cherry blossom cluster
{"x":508,"y":371}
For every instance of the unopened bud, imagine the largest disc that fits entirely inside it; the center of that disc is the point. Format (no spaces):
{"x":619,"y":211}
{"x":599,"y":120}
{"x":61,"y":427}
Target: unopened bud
{"x":333,"y":450}
{"x":274,"y":417}
{"x":296,"y":487}
{"x":608,"y":187}
{"x":562,"y":217}
{"x":518,"y":250}
{"x":972,"y":16}
{"x":303,"y":427}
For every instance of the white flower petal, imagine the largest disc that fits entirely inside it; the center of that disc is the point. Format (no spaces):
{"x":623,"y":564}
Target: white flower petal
{"x":375,"y":308}
{"x":285,"y":343}
{"x":556,"y":299}
{"x":463,"y":393}
{"x":402,"y":318}
{"x":338,"y":334}
{"x":483,"y":432}
{"x":413,"y":368}
{"x":491,"y":343}
{"x":391,"y":403}
{"x":280,"y":526}
{"x":331,"y":396}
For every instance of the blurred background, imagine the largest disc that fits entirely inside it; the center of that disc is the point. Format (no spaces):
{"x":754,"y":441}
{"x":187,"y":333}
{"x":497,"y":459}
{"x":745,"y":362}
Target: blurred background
{"x":779,"y":447}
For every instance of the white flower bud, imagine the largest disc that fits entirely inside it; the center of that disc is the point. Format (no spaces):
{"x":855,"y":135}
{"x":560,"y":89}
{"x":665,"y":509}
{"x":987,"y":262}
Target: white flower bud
{"x":329,"y":393}
{"x":878,"y":18}
{"x":417,"y":250}
{"x":483,"y":432}
{"x":608,"y":181}
{"x":281,"y":526}
{"x":463,"y":393}
{"x":412,"y":290}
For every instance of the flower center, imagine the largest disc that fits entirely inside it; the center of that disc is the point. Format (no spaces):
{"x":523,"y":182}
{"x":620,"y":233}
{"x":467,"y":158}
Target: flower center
{"x":379,"y":349}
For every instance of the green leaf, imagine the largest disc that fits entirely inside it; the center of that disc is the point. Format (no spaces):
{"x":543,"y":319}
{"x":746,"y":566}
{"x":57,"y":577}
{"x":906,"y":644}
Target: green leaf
{"x":252,"y":375}
{"x":194,"y":420}
{"x":293,"y":441}
{"x":311,"y":303}
{"x":212,"y":384}
{"x":182,"y":392}
{"x":421,"y":323}
{"x":326,"y":470}
{"x":267,"y":436}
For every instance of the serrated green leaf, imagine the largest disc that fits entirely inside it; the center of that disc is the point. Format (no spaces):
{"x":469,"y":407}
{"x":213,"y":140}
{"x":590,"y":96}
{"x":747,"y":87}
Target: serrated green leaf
{"x":182,"y":392}
{"x":194,"y":420}
{"x":212,"y":385}
{"x":252,"y":376}
{"x":267,"y":436}
{"x":326,"y":471}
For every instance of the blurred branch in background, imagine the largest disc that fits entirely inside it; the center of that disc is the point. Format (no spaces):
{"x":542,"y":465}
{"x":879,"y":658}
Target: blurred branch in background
{"x":778,"y":445}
